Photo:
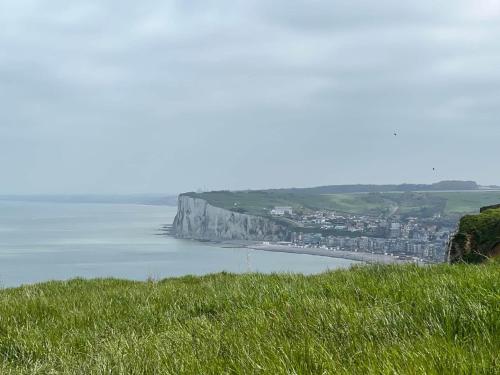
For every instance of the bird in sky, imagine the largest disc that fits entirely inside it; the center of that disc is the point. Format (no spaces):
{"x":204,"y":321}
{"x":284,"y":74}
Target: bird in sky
{"x":395,"y":133}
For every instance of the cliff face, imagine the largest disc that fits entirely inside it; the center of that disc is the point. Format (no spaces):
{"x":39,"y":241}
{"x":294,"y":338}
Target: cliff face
{"x":197,"y":219}
{"x":478,"y":237}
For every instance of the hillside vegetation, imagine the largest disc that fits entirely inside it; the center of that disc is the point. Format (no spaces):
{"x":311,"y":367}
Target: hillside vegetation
{"x":421,"y":204}
{"x":336,"y":189}
{"x":369,"y":320}
{"x":478,"y":237}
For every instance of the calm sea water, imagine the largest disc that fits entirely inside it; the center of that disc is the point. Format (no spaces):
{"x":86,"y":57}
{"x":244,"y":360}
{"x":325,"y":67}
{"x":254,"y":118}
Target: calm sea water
{"x":46,"y":241}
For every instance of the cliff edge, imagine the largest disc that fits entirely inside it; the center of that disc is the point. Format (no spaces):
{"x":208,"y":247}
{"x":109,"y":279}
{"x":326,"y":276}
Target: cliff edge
{"x":478,"y":237}
{"x":197,"y":219}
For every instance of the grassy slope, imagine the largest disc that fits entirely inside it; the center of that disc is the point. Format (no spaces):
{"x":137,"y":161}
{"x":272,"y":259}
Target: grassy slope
{"x":486,"y":225}
{"x":384,"y":320}
{"x":484,"y":231}
{"x":423,"y":204}
{"x":462,"y":203}
{"x":261,"y":202}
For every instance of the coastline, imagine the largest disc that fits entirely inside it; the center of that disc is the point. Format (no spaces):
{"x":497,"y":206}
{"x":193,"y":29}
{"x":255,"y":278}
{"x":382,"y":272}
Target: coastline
{"x":349,"y":255}
{"x":363,"y":257}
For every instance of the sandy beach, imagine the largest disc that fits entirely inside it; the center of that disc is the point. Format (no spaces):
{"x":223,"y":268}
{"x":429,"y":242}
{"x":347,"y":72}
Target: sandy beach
{"x":350,"y":255}
{"x":357,"y":256}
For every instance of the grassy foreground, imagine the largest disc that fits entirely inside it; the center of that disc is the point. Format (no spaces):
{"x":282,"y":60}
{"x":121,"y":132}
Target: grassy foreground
{"x":369,"y":320}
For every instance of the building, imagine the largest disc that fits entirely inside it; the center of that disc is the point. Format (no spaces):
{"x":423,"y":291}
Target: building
{"x":395,"y":230}
{"x":282,"y":211}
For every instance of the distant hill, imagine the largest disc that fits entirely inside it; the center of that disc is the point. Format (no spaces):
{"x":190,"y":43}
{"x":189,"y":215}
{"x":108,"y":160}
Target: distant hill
{"x":439,"y":186}
{"x":447,"y":198}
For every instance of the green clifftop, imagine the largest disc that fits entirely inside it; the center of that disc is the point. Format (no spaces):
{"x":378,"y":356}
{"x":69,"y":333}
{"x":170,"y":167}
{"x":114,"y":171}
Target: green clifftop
{"x":416,"y":203}
{"x":368,"y":320}
{"x":478,"y":237}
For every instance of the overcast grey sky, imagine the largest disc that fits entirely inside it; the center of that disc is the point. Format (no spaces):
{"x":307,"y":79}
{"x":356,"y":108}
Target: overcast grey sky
{"x":165,"y":96}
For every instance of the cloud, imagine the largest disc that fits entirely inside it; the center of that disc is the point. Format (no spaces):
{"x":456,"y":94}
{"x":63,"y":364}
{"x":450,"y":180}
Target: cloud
{"x":173,"y":95}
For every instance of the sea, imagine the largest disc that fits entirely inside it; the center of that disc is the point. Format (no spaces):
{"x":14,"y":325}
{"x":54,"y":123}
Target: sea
{"x":41,"y":241}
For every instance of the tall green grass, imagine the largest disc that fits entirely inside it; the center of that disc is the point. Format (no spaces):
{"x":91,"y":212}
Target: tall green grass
{"x":369,"y":320}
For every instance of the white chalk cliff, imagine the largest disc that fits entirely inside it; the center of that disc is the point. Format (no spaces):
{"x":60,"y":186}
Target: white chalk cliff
{"x":197,"y":219}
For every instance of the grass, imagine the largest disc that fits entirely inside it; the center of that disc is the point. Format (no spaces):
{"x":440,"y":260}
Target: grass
{"x":486,"y":225}
{"x":463,"y":203}
{"x":369,"y":320}
{"x":262,"y":202}
{"x":477,"y":237}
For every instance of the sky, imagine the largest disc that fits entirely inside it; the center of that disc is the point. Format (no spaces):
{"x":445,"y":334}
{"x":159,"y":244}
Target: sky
{"x":122,"y":96}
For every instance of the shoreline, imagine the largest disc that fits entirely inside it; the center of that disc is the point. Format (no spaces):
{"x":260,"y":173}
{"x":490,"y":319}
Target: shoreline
{"x":363,"y":257}
{"x":340,"y":254}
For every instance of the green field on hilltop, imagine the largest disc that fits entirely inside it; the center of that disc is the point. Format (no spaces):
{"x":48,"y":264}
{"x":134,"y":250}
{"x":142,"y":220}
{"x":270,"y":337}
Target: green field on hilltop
{"x":262,"y":202}
{"x":368,"y":320}
{"x":468,"y":202}
{"x":421,"y":204}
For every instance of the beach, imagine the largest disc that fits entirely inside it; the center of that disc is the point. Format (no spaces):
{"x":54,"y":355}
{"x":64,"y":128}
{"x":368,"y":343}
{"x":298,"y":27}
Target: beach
{"x":351,"y":255}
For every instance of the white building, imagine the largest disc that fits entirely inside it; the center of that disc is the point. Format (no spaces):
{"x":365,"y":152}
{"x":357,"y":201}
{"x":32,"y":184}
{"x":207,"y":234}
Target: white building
{"x":282,"y":211}
{"x":395,"y":230}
